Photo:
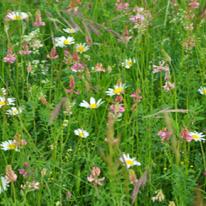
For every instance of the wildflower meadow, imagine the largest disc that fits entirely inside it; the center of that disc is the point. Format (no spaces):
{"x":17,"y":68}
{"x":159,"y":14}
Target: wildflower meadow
{"x":103,"y":103}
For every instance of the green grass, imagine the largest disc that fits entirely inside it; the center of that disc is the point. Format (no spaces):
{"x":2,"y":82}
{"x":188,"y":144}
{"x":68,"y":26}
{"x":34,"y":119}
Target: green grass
{"x":175,"y":166}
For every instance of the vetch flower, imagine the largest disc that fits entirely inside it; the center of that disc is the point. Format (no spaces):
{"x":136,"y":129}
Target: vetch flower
{"x":164,"y":134}
{"x":128,"y":161}
{"x":92,"y":104}
{"x":81,"y":48}
{"x":202,"y":90}
{"x":185,"y":134}
{"x":17,"y":15}
{"x":14,"y":111}
{"x":10,"y":57}
{"x":117,"y":109}
{"x":3,"y":184}
{"x":70,"y":30}
{"x":128,"y":63}
{"x":25,"y":49}
{"x":117,"y":90}
{"x":197,"y":136}
{"x":38,"y":20}
{"x":10,"y":174}
{"x":168,"y":86}
{"x":160,"y":68}
{"x":94,"y":177}
{"x":53,"y":54}
{"x":63,"y":41}
{"x":194,"y":4}
{"x":81,"y":133}
{"x":9,"y":145}
{"x":77,"y":67}
{"x":99,"y":68}
{"x":121,"y":5}
{"x":136,"y":95}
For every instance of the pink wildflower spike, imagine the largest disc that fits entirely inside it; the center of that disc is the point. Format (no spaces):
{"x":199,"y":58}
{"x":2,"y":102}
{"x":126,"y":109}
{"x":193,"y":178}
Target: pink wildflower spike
{"x":53,"y":54}
{"x":26,"y":164}
{"x":121,"y":5}
{"x":160,"y":68}
{"x":66,"y":53}
{"x":137,"y":18}
{"x":38,"y":20}
{"x":75,"y":57}
{"x":125,"y":35}
{"x":194,"y":4}
{"x":99,"y":68}
{"x":71,"y":82}
{"x":72,"y":86}
{"x":136,"y":95}
{"x":23,"y":172}
{"x":117,"y":108}
{"x":10,"y":174}
{"x":29,"y":68}
{"x":25,"y":50}
{"x":168,"y":86}
{"x":119,"y":99}
{"x":186,"y":135}
{"x":77,"y":67}
{"x":164,"y":134}
{"x":88,"y":40}
{"x":94,"y":177}
{"x":10,"y":57}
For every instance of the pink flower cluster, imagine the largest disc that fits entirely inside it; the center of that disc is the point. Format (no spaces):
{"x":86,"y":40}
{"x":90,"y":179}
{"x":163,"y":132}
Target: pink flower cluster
{"x":164,"y":134}
{"x":164,"y":68}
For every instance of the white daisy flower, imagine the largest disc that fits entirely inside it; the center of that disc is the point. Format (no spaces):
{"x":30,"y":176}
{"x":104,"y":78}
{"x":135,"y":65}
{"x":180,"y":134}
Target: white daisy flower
{"x":70,"y":30}
{"x":9,"y":145}
{"x":202,"y":90}
{"x":117,"y":90}
{"x":128,"y":63}
{"x":92,"y":104}
{"x":63,"y":41}
{"x":81,"y":48}
{"x":14,"y":111}
{"x":128,"y":161}
{"x":6,"y":101}
{"x":197,"y":136}
{"x":81,"y":133}
{"x":3,"y":184}
{"x":17,"y":15}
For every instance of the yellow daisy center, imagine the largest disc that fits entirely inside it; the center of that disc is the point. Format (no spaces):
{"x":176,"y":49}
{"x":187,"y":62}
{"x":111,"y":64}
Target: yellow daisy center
{"x":2,"y":103}
{"x":81,"y":48}
{"x":70,"y":30}
{"x":11,"y":146}
{"x":195,"y":136}
{"x":118,"y":90}
{"x":93,"y":106}
{"x":129,"y":63}
{"x":17,"y":17}
{"x":204,"y":91}
{"x":129,"y":162}
{"x":81,"y":134}
{"x":67,"y":42}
